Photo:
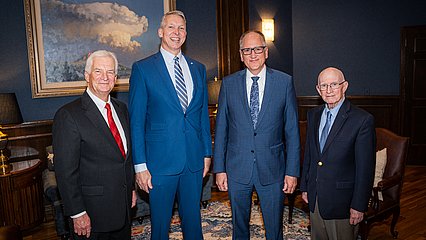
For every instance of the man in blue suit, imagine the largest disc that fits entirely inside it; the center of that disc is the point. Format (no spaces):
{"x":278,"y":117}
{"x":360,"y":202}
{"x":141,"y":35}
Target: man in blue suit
{"x":170,"y":130}
{"x":339,"y":162}
{"x":257,"y":139}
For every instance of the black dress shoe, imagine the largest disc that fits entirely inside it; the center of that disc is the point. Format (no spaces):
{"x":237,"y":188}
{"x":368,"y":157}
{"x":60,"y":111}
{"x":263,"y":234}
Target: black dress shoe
{"x":65,"y":236}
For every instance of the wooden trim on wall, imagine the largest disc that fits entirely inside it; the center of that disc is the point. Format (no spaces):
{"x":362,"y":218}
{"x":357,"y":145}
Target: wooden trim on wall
{"x":385,"y":109}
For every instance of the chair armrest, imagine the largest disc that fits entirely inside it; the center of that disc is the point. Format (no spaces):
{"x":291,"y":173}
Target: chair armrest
{"x":389,"y":182}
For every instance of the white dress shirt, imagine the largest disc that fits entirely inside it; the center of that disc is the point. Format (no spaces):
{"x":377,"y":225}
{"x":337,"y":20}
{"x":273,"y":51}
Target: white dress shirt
{"x":261,"y":82}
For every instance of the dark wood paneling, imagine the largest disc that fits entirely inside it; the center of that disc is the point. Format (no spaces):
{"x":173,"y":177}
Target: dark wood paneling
{"x":232,"y":21}
{"x":412,"y":90}
{"x":385,"y":109}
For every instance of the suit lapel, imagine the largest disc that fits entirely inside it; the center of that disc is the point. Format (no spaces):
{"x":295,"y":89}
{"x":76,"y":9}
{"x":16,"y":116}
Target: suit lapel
{"x":340,"y":119}
{"x":242,"y":85}
{"x":93,"y":114}
{"x":167,"y":80}
{"x":267,"y":95}
{"x":317,"y":121}
{"x":195,"y":81}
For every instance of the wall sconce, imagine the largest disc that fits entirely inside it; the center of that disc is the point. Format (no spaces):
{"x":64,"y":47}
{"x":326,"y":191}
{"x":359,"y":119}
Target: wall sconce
{"x":268,"y":29}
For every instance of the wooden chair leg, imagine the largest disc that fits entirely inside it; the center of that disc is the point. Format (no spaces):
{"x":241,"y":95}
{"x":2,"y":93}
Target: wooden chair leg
{"x":363,"y":230}
{"x":395,"y":217}
{"x":291,"y":199}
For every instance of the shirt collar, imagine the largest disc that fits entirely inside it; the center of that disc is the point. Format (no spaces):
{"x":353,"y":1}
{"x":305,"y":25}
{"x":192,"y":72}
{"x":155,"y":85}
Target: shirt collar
{"x":334,"y":110}
{"x":261,"y":74}
{"x":99,"y":102}
{"x":168,"y":57}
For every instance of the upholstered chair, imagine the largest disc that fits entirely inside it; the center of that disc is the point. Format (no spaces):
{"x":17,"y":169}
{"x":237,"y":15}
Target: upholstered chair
{"x":382,"y":207}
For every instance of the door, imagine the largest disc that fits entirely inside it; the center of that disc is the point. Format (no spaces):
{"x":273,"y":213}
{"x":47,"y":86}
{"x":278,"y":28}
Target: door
{"x":413,"y":91}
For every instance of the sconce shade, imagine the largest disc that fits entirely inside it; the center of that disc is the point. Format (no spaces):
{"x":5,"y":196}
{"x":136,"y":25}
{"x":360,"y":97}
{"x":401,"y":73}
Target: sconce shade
{"x":9,"y":109}
{"x":268,"y":29}
{"x":213,"y":88}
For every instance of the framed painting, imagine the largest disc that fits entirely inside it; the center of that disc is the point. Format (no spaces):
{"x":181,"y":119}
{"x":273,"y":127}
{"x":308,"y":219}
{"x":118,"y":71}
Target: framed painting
{"x":62,"y":33}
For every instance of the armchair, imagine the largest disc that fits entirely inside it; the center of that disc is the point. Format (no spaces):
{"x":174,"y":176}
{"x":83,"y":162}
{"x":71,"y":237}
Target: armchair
{"x":391,"y":184}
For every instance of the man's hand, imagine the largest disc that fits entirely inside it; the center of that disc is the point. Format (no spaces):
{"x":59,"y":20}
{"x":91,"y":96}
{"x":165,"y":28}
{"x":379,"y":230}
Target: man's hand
{"x":290,"y":184}
{"x":134,"y":198}
{"x":305,"y":197}
{"x":143,"y":179}
{"x":356,"y":217}
{"x":207,"y":163}
{"x":82,"y":225}
{"x":222,"y":181}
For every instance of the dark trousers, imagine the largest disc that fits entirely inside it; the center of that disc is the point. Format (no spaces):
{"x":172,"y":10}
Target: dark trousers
{"x":271,"y":202}
{"x":123,"y":233}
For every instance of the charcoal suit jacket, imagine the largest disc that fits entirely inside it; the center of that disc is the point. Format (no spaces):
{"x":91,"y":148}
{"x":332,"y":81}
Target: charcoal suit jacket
{"x":91,"y":172}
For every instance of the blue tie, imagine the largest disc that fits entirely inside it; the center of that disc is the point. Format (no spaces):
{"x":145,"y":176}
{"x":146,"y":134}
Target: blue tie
{"x":254,"y":101}
{"x":180,"y":85}
{"x":325,"y":130}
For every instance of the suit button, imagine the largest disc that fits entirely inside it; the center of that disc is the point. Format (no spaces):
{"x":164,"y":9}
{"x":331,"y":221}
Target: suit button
{"x":320,"y":163}
{"x":252,"y":151}
{"x":255,"y":134}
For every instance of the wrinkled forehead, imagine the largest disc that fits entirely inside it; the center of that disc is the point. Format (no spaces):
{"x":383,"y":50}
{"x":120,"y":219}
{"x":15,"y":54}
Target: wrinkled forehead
{"x":330,"y":75}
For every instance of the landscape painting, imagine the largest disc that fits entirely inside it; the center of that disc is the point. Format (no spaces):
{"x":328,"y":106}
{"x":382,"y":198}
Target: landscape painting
{"x":62,"y":33}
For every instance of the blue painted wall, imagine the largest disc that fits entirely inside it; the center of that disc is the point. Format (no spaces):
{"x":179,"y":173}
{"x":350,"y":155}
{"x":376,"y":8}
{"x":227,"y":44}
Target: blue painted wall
{"x":360,"y":36}
{"x":281,"y":49}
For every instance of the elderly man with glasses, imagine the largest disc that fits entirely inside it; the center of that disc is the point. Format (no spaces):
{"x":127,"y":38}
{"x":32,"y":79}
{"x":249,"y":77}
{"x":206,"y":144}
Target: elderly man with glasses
{"x":257,"y":139}
{"x":339,"y":163}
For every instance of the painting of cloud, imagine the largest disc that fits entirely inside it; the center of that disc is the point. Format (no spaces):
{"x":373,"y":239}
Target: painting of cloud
{"x":73,"y":29}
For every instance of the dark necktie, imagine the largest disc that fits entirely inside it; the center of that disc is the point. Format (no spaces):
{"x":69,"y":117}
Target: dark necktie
{"x":114,"y":130}
{"x":254,"y":101}
{"x":325,"y":130}
{"x":180,"y":85}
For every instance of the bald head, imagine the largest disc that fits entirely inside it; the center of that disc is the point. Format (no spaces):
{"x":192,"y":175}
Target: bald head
{"x":331,"y":72}
{"x":332,"y":86}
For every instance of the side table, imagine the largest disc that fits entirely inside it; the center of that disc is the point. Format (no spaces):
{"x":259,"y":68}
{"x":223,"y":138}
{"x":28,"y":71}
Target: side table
{"x":21,"y":195}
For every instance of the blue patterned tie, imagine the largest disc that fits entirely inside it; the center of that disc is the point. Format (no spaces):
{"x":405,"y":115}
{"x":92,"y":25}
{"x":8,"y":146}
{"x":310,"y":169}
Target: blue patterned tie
{"x":180,"y":85}
{"x":254,"y":101}
{"x":325,"y":130}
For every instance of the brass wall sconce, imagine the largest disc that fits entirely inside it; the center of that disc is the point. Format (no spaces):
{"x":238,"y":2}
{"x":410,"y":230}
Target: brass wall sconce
{"x":268,"y":29}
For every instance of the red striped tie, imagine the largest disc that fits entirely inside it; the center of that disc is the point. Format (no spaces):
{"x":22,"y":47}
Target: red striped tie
{"x":114,"y":130}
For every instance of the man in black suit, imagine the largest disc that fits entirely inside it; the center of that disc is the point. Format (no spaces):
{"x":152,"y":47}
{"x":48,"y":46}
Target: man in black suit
{"x":92,"y":154}
{"x":339,"y":163}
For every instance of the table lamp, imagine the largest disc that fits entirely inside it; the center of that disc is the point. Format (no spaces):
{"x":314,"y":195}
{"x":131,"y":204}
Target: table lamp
{"x":9,"y":114}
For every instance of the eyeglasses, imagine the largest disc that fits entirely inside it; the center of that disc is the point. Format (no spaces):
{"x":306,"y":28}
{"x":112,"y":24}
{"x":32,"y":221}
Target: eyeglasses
{"x":333,"y":85}
{"x":257,"y":50}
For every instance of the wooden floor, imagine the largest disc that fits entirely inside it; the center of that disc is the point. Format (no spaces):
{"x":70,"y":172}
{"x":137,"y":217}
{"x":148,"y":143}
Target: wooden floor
{"x":411,"y":224}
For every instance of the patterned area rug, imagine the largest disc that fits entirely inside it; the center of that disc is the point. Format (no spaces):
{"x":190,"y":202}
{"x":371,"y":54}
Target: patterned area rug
{"x":217,"y":224}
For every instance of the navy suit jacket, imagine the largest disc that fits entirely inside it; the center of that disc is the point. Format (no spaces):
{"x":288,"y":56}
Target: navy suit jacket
{"x":91,"y":172}
{"x":345,"y":179}
{"x":163,"y":136}
{"x":274,"y":144}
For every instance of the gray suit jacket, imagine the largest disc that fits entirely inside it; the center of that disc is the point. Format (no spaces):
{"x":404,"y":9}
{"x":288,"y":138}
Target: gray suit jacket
{"x":274,"y":144}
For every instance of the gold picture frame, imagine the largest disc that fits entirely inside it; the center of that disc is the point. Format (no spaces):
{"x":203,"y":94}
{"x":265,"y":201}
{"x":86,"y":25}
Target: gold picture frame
{"x":46,"y":79}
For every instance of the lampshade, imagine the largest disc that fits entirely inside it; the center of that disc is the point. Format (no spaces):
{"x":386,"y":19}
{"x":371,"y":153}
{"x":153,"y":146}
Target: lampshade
{"x":9,"y":109}
{"x":213,"y":88}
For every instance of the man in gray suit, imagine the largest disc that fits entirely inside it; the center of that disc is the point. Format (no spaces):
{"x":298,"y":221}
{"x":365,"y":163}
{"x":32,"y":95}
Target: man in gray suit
{"x":257,"y":139}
